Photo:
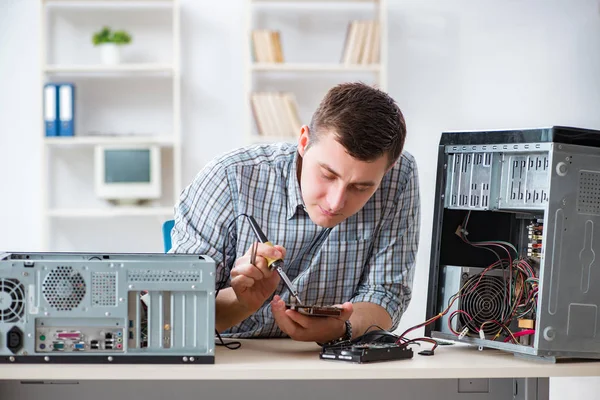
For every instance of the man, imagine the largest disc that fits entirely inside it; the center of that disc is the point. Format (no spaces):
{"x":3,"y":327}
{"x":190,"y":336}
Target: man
{"x":342,"y":208}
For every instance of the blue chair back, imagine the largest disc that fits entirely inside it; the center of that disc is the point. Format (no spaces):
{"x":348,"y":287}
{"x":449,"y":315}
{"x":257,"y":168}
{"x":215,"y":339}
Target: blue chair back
{"x":166,"y":230}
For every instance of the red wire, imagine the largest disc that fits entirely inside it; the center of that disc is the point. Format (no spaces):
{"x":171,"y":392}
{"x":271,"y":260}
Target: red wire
{"x":524,"y":332}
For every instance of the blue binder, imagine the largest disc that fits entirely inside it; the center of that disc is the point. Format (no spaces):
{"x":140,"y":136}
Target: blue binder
{"x":66,"y":109}
{"x":51,"y":109}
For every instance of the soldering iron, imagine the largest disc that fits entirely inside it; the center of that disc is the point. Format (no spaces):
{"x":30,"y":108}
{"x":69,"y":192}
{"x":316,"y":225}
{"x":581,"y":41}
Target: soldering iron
{"x":276,"y":264}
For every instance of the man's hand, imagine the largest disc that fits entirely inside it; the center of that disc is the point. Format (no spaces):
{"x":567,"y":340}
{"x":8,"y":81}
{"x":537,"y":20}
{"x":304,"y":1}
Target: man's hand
{"x":308,"y":328}
{"x":254,"y":283}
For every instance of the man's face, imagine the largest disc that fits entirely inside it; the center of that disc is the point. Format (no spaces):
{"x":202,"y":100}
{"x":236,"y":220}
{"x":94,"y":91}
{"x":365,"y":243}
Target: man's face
{"x":334,"y":184}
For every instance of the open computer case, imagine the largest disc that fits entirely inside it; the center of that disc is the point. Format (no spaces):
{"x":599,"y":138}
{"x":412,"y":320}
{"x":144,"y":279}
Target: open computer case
{"x":514,"y":263}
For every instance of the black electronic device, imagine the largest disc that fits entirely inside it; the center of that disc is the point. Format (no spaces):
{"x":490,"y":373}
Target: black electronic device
{"x":366,"y":352}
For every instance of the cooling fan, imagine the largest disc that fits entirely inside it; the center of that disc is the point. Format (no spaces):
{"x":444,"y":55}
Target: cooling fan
{"x":64,"y":288}
{"x":12,"y":300}
{"x":484,"y":299}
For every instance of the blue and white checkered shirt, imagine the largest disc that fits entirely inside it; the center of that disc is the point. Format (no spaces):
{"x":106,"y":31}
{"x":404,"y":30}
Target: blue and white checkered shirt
{"x":370,"y":257}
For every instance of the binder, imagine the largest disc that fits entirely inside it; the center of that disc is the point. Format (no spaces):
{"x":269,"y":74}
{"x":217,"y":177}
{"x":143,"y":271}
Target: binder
{"x":66,"y":109}
{"x":51,"y":109}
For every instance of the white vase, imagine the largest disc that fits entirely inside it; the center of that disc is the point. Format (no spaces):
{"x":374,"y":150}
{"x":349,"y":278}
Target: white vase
{"x":110,"y":53}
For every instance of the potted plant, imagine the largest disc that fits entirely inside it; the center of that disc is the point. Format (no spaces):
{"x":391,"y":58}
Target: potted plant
{"x":110,"y":43}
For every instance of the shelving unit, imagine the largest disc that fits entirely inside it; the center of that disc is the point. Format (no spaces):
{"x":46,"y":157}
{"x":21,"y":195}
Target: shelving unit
{"x":165,"y":141}
{"x":113,"y":212}
{"x":68,"y":161}
{"x":115,"y":69}
{"x":309,"y":67}
{"x":299,"y":76}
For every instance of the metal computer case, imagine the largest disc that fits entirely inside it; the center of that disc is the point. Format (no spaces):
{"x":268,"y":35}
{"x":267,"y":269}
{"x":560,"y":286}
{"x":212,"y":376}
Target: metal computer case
{"x":106,"y":308}
{"x":503,"y":180}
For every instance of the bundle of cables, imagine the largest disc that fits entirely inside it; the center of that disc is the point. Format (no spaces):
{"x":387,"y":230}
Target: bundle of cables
{"x":490,"y":303}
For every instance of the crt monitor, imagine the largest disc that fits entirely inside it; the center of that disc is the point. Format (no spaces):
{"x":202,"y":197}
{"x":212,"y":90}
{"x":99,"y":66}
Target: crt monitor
{"x":127,"y":174}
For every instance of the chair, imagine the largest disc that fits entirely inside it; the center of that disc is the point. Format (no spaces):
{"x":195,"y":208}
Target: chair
{"x":166,"y":230}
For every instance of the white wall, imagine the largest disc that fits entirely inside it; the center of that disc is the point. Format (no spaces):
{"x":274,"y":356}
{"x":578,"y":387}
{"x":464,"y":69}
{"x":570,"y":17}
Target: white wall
{"x":452,"y":65}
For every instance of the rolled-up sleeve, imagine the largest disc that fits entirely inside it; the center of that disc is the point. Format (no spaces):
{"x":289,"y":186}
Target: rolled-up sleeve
{"x":389,"y":276}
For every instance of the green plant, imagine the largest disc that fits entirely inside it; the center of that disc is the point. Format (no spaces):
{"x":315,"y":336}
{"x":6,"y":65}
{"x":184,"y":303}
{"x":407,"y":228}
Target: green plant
{"x":107,"y":36}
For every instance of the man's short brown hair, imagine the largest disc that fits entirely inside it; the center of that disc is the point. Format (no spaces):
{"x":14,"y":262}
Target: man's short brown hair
{"x":366,"y":121}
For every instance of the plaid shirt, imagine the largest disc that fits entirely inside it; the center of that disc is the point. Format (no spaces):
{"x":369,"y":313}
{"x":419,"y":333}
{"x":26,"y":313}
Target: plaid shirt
{"x":370,"y":257}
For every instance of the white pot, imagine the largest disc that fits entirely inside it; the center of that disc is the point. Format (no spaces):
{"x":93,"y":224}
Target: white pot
{"x":110,"y":53}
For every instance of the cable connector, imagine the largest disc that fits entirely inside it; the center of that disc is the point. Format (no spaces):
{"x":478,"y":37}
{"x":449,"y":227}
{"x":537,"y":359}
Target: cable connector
{"x":482,"y":337}
{"x":463,"y":333}
{"x":460,"y":231}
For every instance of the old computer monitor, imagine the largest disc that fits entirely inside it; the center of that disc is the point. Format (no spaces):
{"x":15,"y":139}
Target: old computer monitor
{"x":127,"y":174}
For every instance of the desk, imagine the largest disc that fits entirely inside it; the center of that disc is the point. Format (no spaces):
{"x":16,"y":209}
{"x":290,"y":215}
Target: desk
{"x":453,"y":371}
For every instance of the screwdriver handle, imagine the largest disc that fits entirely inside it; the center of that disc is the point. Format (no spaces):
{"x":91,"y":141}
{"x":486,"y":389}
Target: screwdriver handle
{"x":271,"y":262}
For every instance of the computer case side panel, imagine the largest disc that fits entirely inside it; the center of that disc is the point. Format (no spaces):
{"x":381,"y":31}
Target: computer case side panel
{"x":567,"y":318}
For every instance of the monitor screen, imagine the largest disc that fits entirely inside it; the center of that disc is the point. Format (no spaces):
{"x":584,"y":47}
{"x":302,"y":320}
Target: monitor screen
{"x":127,"y":165}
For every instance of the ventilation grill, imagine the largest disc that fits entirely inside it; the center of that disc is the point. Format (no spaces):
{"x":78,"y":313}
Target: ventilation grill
{"x":64,"y":288}
{"x":483,"y":300}
{"x":104,"y":289}
{"x":164,"y":276}
{"x":12,"y":300}
{"x":588,"y":199}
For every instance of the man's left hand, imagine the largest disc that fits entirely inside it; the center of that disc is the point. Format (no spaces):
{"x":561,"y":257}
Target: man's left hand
{"x":309,"y":328}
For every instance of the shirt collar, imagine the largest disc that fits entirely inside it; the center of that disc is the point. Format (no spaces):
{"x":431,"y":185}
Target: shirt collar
{"x":294,"y":194}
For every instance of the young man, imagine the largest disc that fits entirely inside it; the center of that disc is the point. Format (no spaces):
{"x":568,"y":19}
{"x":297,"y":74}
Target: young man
{"x":342,"y":208}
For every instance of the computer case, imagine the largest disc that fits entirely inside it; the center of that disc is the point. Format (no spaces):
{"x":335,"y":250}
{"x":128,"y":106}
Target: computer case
{"x":514,"y":262}
{"x":107,"y":308}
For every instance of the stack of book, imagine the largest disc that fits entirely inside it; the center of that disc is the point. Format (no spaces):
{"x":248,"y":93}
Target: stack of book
{"x":362,"y":43}
{"x":275,"y":114}
{"x":266,"y":46}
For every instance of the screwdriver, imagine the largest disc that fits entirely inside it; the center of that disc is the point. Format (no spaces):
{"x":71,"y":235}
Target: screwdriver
{"x":274,"y":264}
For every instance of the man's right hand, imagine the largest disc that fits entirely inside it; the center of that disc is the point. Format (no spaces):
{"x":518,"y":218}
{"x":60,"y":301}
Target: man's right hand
{"x":254,"y":283}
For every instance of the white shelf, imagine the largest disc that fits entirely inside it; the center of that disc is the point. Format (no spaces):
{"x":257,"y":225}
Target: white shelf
{"x":312,"y":2}
{"x":111,"y":212}
{"x":307,"y":67}
{"x":120,"y":68}
{"x":96,"y":140}
{"x":91,"y":4}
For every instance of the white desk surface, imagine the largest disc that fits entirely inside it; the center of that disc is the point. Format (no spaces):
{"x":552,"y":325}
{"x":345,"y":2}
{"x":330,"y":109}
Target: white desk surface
{"x":284,"y":359}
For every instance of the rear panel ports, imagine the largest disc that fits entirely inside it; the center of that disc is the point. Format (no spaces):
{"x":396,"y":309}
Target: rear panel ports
{"x":79,"y":346}
{"x":58,"y":346}
{"x":74,"y":335}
